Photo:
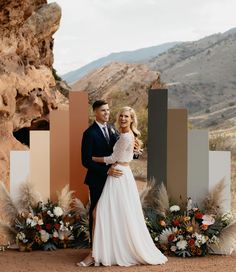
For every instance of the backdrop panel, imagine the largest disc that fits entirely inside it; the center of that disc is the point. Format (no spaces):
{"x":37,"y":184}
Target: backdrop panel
{"x":198,"y":164}
{"x":59,"y":151}
{"x":177,"y":138}
{"x":40,"y":162}
{"x":157,"y":135}
{"x":78,"y":122}
{"x":19,"y":170}
{"x":220,"y":168}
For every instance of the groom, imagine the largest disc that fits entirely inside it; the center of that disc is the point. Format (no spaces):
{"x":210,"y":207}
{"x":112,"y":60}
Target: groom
{"x":98,"y":140}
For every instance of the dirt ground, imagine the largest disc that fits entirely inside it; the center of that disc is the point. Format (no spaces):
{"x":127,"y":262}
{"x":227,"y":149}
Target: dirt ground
{"x":64,"y":260}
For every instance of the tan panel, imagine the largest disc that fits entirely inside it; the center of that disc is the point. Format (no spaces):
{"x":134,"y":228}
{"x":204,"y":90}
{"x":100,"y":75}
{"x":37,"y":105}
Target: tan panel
{"x":40,"y":162}
{"x":78,"y":123}
{"x":59,"y":151}
{"x":177,"y":154}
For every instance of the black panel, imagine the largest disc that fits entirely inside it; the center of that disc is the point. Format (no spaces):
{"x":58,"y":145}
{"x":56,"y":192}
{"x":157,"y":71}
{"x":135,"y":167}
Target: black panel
{"x":157,"y":135}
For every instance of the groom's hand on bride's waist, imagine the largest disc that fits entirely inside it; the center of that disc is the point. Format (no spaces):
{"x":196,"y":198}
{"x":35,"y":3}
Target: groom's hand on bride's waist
{"x":116,"y":173}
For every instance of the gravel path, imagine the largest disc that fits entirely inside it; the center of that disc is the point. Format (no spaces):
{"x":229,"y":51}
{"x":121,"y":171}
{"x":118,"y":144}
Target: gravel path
{"x":64,"y":261}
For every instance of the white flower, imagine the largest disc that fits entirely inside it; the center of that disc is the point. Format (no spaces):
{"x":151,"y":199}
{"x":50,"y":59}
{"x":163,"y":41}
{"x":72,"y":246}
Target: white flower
{"x":200,"y":239}
{"x":61,"y":235}
{"x":174,"y":208}
{"x":58,"y":211}
{"x":180,"y":237}
{"x":112,"y":130}
{"x":31,"y":222}
{"x":208,"y":220}
{"x":20,"y":236}
{"x":40,"y":222}
{"x":55,"y":234}
{"x":163,"y":238}
{"x":44,"y":236}
{"x":181,"y":244}
{"x":156,"y":238}
{"x":214,"y":240}
{"x":227,"y":216}
{"x":173,"y":248}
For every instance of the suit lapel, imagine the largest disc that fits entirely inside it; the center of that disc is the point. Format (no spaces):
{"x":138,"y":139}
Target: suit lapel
{"x":99,"y":132}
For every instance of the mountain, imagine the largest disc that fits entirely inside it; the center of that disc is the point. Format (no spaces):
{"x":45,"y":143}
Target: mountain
{"x":136,"y":56}
{"x":201,"y":76}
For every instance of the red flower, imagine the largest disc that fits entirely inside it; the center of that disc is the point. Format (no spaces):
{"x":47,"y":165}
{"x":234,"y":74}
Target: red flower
{"x":171,"y":237}
{"x":198,"y":215}
{"x":57,"y":226}
{"x":38,"y":227}
{"x":191,"y":242}
{"x":48,"y":226}
{"x":175,"y":222}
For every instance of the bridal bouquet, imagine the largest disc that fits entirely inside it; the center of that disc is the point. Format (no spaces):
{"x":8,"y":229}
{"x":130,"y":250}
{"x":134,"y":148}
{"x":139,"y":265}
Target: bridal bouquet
{"x":183,"y":230}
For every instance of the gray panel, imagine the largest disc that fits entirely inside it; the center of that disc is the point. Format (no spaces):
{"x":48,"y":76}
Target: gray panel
{"x":198,"y":164}
{"x":220,"y":168}
{"x":157,"y":135}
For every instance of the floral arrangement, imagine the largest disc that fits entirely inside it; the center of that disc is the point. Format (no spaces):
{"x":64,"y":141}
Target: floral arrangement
{"x":183,"y":230}
{"x":188,"y":233}
{"x":32,"y":224}
{"x":45,"y":226}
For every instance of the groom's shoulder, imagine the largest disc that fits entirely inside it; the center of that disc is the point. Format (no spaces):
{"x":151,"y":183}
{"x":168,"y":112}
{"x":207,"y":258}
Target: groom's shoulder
{"x":90,"y":129}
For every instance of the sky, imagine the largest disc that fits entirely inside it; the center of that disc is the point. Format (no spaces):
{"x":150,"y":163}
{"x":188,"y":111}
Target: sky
{"x":91,"y":29}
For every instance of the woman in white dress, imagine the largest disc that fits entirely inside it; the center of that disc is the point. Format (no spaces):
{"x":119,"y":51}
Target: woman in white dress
{"x":121,"y":236}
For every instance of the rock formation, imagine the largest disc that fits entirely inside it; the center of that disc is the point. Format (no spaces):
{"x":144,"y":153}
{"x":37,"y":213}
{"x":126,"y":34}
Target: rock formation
{"x":120,"y":84}
{"x":28,"y":89}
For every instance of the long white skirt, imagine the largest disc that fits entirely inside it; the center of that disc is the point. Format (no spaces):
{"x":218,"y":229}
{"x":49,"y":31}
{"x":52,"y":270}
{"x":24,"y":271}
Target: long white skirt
{"x":121,"y":236}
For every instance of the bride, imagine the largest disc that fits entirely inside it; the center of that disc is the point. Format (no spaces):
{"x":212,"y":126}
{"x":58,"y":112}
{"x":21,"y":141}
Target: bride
{"x":120,"y":235}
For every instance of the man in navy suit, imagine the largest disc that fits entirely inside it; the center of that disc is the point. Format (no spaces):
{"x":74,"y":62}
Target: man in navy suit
{"x":98,"y":140}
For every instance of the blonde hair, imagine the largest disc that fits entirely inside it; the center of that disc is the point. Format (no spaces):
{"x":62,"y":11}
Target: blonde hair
{"x":133,"y":116}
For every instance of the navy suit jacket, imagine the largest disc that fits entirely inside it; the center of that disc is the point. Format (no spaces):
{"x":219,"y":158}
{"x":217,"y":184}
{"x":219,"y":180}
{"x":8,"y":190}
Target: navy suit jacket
{"x":95,"y":144}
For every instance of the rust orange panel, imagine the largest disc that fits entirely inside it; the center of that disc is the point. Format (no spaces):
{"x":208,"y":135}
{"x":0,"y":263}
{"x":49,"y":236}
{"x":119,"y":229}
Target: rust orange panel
{"x":78,"y":123}
{"x":59,"y":151}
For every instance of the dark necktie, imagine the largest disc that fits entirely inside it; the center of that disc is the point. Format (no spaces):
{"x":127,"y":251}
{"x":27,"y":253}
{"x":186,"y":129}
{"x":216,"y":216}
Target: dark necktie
{"x":106,"y":134}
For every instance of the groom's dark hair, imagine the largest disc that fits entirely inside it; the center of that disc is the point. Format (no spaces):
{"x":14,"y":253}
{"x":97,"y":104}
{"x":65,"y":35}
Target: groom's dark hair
{"x":99,"y":103}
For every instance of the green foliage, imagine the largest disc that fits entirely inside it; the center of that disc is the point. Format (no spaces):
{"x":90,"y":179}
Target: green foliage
{"x":55,"y":75}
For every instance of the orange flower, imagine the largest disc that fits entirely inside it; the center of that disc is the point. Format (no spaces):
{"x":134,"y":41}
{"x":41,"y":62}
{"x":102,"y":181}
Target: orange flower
{"x":162,"y":223}
{"x":204,"y":227}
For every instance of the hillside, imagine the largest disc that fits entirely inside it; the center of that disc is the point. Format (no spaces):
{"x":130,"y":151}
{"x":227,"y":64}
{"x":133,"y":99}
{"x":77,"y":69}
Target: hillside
{"x":136,"y":56}
{"x":201,"y":76}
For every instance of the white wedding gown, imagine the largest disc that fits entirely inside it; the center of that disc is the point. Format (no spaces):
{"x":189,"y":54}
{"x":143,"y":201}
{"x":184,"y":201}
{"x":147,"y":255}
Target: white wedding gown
{"x":121,"y":236}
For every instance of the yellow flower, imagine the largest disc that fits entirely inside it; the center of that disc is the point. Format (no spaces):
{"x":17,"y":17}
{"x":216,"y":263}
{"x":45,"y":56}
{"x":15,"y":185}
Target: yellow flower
{"x":186,"y":218}
{"x":189,"y":229}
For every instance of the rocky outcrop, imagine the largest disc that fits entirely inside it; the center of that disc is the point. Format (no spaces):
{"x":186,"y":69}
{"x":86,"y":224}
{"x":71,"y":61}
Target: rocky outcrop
{"x":28,"y":90}
{"x":120,"y":84}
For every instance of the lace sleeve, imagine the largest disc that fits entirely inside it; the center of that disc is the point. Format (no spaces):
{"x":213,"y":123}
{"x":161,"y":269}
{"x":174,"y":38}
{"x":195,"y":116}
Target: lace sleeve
{"x":121,"y":145}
